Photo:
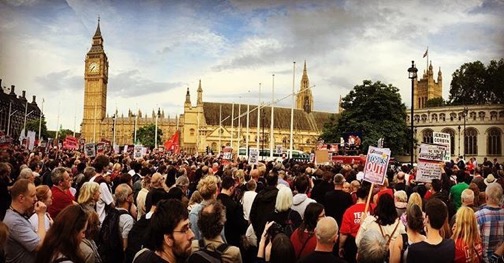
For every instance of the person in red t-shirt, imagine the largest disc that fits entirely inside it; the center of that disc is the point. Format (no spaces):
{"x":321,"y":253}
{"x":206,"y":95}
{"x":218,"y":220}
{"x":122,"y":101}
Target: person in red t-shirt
{"x":351,"y":223}
{"x":468,"y":245}
{"x":61,"y":191}
{"x":383,"y":190}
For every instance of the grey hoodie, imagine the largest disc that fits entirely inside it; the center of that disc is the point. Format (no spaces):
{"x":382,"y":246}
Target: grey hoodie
{"x":299,"y":203}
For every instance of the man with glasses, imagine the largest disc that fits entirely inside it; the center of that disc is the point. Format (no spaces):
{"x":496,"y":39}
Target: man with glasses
{"x":61,"y":191}
{"x":170,"y":234}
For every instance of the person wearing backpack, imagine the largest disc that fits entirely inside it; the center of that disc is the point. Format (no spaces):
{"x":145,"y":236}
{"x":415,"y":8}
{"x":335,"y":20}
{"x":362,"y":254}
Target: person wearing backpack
{"x":113,"y":238}
{"x":211,"y":247}
{"x":283,"y":214}
{"x":385,"y":221}
{"x":399,"y":249}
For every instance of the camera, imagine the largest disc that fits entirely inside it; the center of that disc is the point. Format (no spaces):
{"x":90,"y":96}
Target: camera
{"x":274,"y":229}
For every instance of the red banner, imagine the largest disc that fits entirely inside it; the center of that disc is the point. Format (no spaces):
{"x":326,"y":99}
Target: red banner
{"x":71,"y":143}
{"x":173,"y":144}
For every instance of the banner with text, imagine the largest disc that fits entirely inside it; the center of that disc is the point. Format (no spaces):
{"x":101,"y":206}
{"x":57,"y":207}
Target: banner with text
{"x":442,"y":138}
{"x":90,"y":150}
{"x":432,"y":152}
{"x":253,"y":156}
{"x":376,"y":166}
{"x":426,"y":171}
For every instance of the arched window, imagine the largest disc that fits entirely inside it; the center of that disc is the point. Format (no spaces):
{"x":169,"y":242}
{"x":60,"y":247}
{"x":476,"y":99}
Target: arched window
{"x":453,"y":116}
{"x":481,"y":115}
{"x":472,"y":115}
{"x":493,"y":115}
{"x":424,"y":117}
{"x":501,"y":114}
{"x":407,"y":118}
{"x":434,"y":117}
{"x":214,"y":146}
{"x":452,"y":139}
{"x":494,"y":146}
{"x":427,"y":136}
{"x":416,"y":118}
{"x":442,"y":117}
{"x":470,"y":141}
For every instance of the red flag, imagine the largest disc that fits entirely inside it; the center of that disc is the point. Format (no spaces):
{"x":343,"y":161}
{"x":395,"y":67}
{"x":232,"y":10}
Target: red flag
{"x":173,"y":143}
{"x":426,"y":53}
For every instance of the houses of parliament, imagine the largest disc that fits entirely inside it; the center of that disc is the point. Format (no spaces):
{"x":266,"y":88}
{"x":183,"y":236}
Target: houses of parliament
{"x":201,"y":124}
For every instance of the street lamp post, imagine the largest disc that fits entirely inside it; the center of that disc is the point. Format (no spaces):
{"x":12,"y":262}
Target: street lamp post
{"x":465,"y":115}
{"x":155,"y":131}
{"x":459,"y":140}
{"x":412,"y":74}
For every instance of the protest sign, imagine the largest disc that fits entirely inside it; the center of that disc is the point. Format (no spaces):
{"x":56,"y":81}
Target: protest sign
{"x":432,"y":152}
{"x":426,"y":171}
{"x":253,"y":156}
{"x":137,"y":151}
{"x":321,"y":156}
{"x":441,"y":138}
{"x":376,"y":166}
{"x":90,"y":150}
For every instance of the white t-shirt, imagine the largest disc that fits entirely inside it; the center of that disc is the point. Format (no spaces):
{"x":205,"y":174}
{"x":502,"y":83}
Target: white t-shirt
{"x":248,"y":199}
{"x":106,"y":198}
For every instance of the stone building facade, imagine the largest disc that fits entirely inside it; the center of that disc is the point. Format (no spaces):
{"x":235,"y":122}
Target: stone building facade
{"x":475,"y":130}
{"x":13,"y":109}
{"x":200,"y":125}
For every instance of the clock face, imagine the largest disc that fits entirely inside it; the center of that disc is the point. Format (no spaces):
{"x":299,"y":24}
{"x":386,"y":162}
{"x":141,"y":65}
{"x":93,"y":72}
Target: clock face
{"x":94,"y":67}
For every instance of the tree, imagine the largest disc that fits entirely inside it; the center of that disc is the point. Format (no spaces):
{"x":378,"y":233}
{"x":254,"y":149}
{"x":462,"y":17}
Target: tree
{"x":376,"y":110}
{"x":146,"y":135}
{"x":435,"y":102}
{"x":62,"y":133}
{"x":33,"y":125}
{"x":473,"y":83}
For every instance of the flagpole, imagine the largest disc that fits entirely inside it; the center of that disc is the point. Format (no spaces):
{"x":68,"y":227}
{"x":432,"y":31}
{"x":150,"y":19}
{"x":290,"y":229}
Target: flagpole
{"x":292,"y":110}
{"x":232,"y":124}
{"x":427,"y":52}
{"x":40,"y":122}
{"x":239,"y":126}
{"x":57,"y":125}
{"x":220,"y":128}
{"x":25,"y":114}
{"x":272,"y":115}
{"x":258,"y":117}
{"x":248,"y":134}
{"x":94,"y":125}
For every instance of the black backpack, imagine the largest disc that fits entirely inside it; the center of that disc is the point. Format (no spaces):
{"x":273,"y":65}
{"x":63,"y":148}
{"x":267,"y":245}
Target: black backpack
{"x":110,"y":243}
{"x":204,"y":255}
{"x":137,"y":238}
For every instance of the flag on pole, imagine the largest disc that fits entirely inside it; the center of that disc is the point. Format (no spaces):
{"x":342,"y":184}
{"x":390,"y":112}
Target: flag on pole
{"x":426,"y":53}
{"x":173,"y":143}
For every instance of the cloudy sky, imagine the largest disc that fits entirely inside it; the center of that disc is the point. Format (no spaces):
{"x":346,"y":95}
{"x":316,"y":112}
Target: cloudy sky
{"x":158,"y":48}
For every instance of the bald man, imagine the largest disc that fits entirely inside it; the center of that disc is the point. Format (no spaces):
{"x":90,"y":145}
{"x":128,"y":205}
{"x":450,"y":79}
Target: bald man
{"x":327,"y":235}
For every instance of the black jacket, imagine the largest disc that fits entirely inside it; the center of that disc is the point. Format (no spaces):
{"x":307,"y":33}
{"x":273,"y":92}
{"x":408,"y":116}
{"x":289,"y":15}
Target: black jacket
{"x":263,"y":205}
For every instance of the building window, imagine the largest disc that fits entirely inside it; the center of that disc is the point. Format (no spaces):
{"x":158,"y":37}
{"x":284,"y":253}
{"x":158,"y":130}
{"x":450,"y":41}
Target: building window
{"x":494,"y":146}
{"x":470,"y":141}
{"x":191,"y":132}
{"x":427,"y":136}
{"x":424,"y":117}
{"x":481,"y":115}
{"x":493,"y":115}
{"x":453,"y":115}
{"x":452,"y":139}
{"x":434,"y":117}
{"x":416,"y":118}
{"x":473,"y":115}
{"x":442,"y":117}
{"x":501,"y":114}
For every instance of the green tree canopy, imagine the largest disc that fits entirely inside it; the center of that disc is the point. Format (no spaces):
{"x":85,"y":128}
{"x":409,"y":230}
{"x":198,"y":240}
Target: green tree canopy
{"x":376,"y":110}
{"x":145,"y":135}
{"x":33,"y":125}
{"x":475,"y":83}
{"x":435,"y":102}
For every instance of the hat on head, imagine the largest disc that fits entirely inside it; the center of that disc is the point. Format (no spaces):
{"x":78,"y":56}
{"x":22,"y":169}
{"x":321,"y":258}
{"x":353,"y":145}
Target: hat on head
{"x":490,"y":179}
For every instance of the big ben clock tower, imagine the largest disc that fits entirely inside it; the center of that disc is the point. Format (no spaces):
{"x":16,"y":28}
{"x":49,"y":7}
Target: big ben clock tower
{"x":95,"y":88}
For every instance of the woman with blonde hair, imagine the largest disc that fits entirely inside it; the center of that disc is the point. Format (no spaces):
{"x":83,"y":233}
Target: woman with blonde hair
{"x":89,"y":195}
{"x":414,"y":199}
{"x":468,"y":244}
{"x":44,"y":194}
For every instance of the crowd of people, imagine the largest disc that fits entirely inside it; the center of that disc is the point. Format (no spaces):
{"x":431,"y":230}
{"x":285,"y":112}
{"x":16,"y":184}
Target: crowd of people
{"x":62,"y":206}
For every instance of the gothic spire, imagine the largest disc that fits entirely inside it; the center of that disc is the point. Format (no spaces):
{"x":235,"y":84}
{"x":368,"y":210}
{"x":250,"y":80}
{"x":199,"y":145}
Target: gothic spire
{"x":98,"y":31}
